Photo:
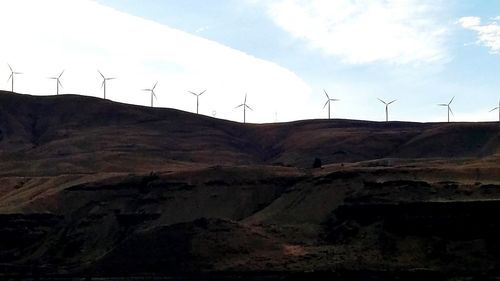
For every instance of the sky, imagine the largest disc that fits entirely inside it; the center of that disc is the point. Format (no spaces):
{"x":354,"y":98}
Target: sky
{"x":282,"y":54}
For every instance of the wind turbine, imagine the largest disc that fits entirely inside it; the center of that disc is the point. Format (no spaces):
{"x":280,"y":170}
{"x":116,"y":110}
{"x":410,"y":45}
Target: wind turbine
{"x":152,"y":90}
{"x":449,"y":108}
{"x":328,"y":102}
{"x":58,"y":81}
{"x":245,"y":106}
{"x":386,"y":108}
{"x":104,"y":79}
{"x":11,"y":77}
{"x":497,"y":108}
{"x":197,"y":99}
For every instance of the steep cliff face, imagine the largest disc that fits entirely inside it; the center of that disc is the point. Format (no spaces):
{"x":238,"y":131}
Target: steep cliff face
{"x":127,"y":190}
{"x":256,"y":219}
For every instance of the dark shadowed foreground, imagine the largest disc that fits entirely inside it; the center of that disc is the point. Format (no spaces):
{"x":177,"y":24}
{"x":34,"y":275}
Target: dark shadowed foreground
{"x":91,"y":188}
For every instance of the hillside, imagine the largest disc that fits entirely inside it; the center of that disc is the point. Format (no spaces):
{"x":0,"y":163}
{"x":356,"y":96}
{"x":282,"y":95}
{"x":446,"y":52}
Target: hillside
{"x":70,"y":130}
{"x":94,"y":187}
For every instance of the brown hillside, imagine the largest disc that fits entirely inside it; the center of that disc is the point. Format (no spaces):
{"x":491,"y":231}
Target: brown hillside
{"x":90,"y":187}
{"x":76,"y":134}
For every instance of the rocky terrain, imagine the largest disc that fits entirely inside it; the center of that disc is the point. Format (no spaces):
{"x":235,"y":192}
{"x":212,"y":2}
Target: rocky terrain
{"x":90,"y":187}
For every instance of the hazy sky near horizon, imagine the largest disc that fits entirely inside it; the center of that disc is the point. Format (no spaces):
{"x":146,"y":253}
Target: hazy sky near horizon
{"x":283,"y":53}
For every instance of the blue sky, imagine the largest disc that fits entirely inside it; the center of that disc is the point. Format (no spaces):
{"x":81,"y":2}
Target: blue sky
{"x":283,"y":53}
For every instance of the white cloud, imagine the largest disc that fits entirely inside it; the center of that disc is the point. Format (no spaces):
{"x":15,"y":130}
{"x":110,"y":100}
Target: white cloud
{"x":40,"y":38}
{"x":488,"y":34}
{"x":365,"y":31}
{"x":202,"y":29}
{"x":469,"y":22}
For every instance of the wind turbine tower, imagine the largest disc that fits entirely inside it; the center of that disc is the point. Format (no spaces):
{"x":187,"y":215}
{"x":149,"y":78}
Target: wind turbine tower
{"x":328,"y":102}
{"x":245,"y":106}
{"x":152,"y":90}
{"x":449,"y":108}
{"x":11,"y":77}
{"x":386,"y":108}
{"x":104,"y":79}
{"x":197,"y":99}
{"x":497,"y":108}
{"x":58,"y":82}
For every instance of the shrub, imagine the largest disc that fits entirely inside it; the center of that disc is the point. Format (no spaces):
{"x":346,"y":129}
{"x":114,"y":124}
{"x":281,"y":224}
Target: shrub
{"x":317,"y":163}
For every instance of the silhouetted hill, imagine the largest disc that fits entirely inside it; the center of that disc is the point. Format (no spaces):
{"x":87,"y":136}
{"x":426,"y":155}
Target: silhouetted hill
{"x":65,"y":134}
{"x":94,"y":187}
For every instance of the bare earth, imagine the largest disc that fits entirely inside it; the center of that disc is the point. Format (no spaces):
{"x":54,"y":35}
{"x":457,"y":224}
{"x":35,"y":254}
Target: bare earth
{"x":95,"y":188}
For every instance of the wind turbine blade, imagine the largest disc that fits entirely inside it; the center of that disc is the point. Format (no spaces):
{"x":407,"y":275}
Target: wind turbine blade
{"x":326,"y":103}
{"x":451,"y":101}
{"x":495,"y":109}
{"x":155,"y":85}
{"x":449,"y":108}
{"x":202,"y":93}
{"x":239,"y":105}
{"x":245,"y":99}
{"x":249,"y":107}
{"x":59,"y":82}
{"x":10,"y":68}
{"x":392,"y":102}
{"x":382,"y":101}
{"x":335,"y":99}
{"x":328,"y":97}
{"x":442,"y":104}
{"x":10,"y":77}
{"x":149,"y":90}
{"x":154,"y":95}
{"x":101,"y":74}
{"x":112,"y":78}
{"x":103,"y":81}
{"x":192,"y":93}
{"x":61,"y":74}
{"x":17,"y":72}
